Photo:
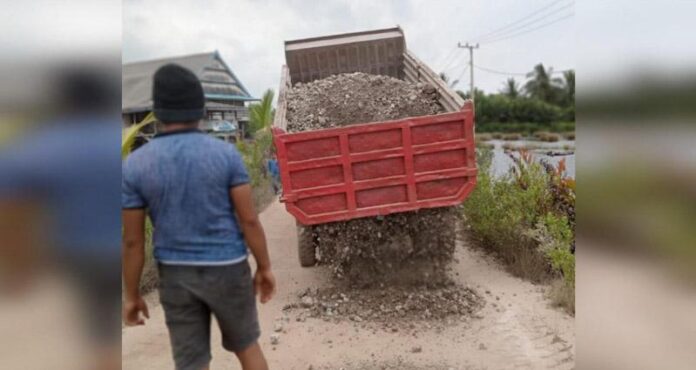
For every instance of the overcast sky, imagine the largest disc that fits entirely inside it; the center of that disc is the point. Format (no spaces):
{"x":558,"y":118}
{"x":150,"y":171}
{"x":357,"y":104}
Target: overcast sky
{"x":249,"y":33}
{"x":614,"y":39}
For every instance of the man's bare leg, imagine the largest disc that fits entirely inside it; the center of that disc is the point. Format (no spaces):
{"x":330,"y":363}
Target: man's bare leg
{"x":252,"y":358}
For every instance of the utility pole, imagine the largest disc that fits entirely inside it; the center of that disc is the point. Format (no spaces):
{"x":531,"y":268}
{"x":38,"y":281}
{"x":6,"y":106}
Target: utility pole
{"x":471,"y":65}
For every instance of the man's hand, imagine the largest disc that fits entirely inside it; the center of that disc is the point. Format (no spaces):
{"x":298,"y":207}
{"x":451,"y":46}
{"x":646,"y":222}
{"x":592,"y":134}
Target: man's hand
{"x":264,"y":284}
{"x":132,"y":310}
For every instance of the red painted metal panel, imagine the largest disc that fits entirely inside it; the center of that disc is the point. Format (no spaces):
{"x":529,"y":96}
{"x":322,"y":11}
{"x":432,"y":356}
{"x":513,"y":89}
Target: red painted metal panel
{"x":378,"y":168}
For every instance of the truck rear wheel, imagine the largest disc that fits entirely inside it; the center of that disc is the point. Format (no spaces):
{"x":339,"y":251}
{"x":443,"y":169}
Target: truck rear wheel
{"x":306,"y":246}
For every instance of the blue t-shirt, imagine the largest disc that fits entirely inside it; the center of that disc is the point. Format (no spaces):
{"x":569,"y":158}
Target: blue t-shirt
{"x":184,"y":178}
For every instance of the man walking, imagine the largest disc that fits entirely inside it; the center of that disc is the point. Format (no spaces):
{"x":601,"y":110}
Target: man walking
{"x":196,"y":191}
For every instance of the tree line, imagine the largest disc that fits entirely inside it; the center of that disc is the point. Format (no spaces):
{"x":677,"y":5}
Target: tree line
{"x":541,"y":102}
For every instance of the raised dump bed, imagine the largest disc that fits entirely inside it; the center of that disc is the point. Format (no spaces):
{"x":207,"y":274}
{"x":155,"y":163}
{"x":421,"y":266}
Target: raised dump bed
{"x":372,"y":168}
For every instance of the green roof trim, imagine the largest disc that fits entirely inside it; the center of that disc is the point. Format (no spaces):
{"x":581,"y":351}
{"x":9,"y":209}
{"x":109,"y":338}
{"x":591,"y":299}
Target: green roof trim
{"x":230,"y":97}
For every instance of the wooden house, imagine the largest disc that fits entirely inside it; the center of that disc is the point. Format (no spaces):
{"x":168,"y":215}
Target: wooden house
{"x":227,"y":115}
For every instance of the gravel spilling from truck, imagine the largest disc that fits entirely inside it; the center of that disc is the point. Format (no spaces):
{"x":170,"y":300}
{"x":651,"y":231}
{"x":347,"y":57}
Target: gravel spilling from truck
{"x":407,"y":248}
{"x":403,"y":248}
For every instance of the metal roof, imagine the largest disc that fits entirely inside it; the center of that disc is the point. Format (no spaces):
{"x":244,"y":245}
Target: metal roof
{"x":136,"y":80}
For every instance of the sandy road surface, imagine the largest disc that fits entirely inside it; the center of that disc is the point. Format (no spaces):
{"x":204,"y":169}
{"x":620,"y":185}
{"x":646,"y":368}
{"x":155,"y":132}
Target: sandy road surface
{"x":516,"y":329}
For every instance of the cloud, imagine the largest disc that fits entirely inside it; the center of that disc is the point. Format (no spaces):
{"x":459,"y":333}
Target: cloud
{"x":250,"y":33}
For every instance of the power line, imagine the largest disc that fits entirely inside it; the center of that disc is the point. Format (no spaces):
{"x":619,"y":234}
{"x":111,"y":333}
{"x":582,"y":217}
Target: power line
{"x":448,"y":65}
{"x":461,"y":75}
{"x":546,"y":7}
{"x":525,"y":24}
{"x":490,"y":70}
{"x":455,"y":67}
{"x":532,"y":30}
{"x":447,"y":57}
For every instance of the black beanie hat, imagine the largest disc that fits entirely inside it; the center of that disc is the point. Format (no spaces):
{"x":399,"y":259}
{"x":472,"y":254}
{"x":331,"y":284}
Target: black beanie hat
{"x":177,"y":95}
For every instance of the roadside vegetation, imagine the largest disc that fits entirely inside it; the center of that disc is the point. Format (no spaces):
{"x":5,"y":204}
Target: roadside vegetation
{"x":542,"y":103}
{"x":527,"y":218}
{"x":257,"y":151}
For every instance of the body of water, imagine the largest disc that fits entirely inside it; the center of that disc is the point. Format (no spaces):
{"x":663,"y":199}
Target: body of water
{"x":502,"y":162}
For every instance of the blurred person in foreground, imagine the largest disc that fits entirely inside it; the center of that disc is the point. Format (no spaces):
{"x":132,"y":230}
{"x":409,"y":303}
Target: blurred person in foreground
{"x":196,"y":191}
{"x":58,"y":193}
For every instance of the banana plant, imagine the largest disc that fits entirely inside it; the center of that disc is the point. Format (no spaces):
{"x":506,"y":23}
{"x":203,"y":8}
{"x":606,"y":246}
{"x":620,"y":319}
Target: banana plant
{"x":129,"y":134}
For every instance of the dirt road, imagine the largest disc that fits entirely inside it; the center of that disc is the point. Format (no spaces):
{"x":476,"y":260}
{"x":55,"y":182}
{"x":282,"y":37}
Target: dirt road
{"x":516,"y":329}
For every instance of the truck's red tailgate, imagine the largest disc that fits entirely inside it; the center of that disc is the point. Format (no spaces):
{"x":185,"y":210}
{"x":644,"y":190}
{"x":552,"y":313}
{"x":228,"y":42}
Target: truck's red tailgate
{"x":377,"y":168}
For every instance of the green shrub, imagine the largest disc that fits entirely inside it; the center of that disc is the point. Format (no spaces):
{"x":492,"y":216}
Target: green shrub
{"x":500,"y":108}
{"x":255,"y":154}
{"x":555,"y":237}
{"x":149,"y":279}
{"x":527,"y":128}
{"x":568,"y":113}
{"x":499,"y":211}
{"x":517,"y":217}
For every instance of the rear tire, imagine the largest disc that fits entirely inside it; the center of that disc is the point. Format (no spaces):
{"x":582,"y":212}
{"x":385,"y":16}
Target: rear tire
{"x":306,"y":246}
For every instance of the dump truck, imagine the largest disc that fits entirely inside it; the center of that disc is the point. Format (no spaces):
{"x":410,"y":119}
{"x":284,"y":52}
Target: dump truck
{"x":370,"y":169}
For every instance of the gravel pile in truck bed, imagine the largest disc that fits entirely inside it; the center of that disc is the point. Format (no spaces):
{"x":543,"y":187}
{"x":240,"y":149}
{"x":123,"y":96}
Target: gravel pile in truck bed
{"x":358,"y":97}
{"x":402,"y":248}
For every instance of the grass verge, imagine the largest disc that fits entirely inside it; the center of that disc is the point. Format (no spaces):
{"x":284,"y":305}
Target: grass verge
{"x":527,"y":218}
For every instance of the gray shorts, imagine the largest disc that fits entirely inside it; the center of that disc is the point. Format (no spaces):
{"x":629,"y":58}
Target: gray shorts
{"x":190,"y":294}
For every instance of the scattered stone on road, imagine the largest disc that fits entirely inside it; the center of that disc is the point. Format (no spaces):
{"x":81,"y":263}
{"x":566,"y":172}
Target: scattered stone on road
{"x":391,"y":308}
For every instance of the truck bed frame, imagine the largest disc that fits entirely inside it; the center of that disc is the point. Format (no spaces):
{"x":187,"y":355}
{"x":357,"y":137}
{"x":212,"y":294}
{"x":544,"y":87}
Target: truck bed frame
{"x":373,"y":168}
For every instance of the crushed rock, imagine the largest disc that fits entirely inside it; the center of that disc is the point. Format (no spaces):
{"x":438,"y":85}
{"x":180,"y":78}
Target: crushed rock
{"x":403,"y":248}
{"x":349,"y":98}
{"x":391,"y":308}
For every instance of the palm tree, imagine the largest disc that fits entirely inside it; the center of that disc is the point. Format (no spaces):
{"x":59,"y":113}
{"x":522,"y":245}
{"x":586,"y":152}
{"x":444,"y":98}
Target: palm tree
{"x":511,"y":88}
{"x":569,"y":86}
{"x":129,"y":134}
{"x":445,"y":77}
{"x":541,"y":85}
{"x":261,"y":114}
{"x":256,"y":152}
